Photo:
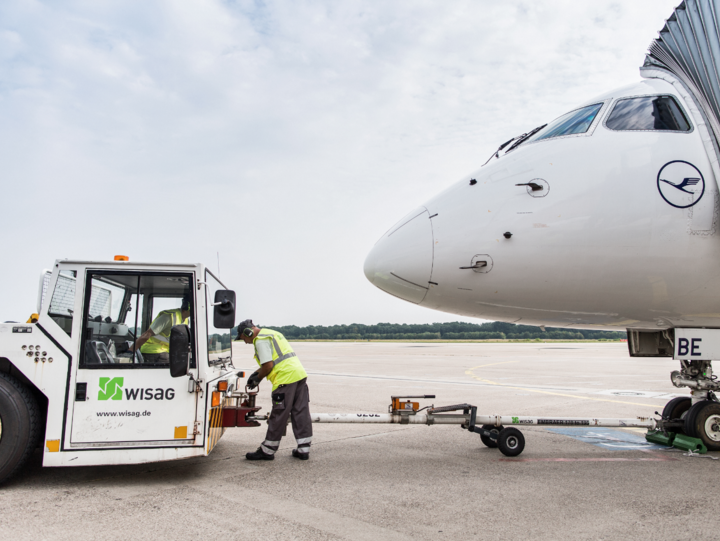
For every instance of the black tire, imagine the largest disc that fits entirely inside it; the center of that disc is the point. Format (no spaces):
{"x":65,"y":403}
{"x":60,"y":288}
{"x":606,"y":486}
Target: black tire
{"x":511,"y":442}
{"x":20,"y":425}
{"x":489,"y":442}
{"x":703,"y":422}
{"x":676,"y":407}
{"x":689,"y":426}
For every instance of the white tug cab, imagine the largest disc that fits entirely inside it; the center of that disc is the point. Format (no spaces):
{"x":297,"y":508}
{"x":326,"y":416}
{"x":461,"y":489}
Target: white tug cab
{"x":69,"y":382}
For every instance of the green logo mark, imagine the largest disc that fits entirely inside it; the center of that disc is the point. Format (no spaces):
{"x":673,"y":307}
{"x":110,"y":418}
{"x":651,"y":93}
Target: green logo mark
{"x":515,"y":420}
{"x":111,"y":389}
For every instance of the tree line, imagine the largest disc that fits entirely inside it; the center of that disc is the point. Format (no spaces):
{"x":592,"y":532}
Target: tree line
{"x":495,"y":330}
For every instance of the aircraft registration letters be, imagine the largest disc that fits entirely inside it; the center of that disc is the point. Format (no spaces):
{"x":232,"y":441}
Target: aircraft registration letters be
{"x":702,"y":344}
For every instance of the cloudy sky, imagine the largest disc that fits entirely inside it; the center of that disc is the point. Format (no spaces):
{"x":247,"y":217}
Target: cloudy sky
{"x":287,"y":136}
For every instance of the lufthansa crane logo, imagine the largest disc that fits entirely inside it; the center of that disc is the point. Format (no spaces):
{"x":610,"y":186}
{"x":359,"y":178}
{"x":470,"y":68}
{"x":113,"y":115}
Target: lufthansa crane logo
{"x":680,"y":184}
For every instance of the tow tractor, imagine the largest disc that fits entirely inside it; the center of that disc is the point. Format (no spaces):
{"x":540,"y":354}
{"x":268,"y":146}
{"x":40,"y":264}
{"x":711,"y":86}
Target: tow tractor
{"x":70,"y":382}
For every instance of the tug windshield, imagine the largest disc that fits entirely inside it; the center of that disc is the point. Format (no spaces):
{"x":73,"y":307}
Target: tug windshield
{"x":572,"y":123}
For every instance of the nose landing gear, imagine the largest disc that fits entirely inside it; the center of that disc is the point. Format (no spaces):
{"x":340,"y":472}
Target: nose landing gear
{"x":697,"y":416}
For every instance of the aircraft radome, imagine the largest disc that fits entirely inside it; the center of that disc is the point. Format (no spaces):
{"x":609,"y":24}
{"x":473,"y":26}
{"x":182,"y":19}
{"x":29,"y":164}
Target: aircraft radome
{"x":604,"y":218}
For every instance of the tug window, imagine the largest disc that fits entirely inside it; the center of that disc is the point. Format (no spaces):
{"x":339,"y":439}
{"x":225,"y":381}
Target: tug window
{"x":120,"y":307}
{"x":62,"y":303}
{"x":647,"y":113}
{"x":219,"y":340}
{"x":571,"y":123}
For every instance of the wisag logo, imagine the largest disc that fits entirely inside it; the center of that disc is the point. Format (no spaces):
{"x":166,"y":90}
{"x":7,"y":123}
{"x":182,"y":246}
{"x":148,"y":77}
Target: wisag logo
{"x":111,"y":389}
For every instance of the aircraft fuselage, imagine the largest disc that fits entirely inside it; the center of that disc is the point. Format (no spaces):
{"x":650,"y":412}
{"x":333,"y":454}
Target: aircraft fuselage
{"x":608,"y":229}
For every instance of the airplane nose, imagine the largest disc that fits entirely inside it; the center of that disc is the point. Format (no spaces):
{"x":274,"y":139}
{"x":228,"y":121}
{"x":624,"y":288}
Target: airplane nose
{"x":400,"y":263}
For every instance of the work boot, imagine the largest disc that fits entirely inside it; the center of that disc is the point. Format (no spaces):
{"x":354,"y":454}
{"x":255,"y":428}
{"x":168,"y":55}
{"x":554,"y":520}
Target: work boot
{"x":259,"y":455}
{"x":301,"y":456}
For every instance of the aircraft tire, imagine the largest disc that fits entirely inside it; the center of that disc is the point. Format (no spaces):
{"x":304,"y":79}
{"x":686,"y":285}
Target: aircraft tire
{"x":511,"y":442}
{"x":489,"y":442}
{"x":689,"y":426}
{"x":676,"y":407}
{"x":703,"y":422}
{"x":20,"y":425}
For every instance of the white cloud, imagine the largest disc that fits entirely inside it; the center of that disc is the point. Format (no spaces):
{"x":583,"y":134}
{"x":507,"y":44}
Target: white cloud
{"x":174,"y":130}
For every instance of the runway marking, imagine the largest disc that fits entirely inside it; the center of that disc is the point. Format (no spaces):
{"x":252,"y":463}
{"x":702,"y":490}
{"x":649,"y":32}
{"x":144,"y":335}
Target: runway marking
{"x":663,"y":459}
{"x":607,"y":438}
{"x":391,"y":378}
{"x":492,"y":364}
{"x":470,"y":373}
{"x":481,"y":381}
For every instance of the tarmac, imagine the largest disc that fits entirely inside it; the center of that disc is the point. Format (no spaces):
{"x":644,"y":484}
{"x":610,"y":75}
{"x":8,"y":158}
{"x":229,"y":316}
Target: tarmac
{"x":402,"y":482}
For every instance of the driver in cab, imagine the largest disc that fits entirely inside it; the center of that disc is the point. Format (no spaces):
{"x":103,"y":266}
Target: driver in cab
{"x":154,"y":343}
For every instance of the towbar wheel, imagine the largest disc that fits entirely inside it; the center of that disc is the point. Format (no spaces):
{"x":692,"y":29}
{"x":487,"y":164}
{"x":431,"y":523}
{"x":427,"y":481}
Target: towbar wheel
{"x":489,"y":441}
{"x":511,"y":442}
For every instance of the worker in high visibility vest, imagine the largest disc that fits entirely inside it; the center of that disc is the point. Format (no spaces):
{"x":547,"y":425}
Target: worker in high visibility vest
{"x":290,"y":396}
{"x":154,"y":344}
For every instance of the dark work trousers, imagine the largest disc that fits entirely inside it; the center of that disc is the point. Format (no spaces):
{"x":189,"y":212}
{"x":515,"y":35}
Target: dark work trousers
{"x":289,"y":400}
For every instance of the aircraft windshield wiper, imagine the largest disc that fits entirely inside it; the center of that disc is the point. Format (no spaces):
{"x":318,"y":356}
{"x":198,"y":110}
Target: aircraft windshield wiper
{"x":518,"y":141}
{"x":524,"y":137}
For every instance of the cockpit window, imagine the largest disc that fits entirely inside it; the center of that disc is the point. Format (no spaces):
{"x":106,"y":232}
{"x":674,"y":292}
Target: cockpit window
{"x":572,"y":123}
{"x":647,"y":113}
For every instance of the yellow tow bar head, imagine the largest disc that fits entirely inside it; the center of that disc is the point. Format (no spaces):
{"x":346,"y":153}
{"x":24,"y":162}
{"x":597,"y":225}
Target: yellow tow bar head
{"x":397,"y":405}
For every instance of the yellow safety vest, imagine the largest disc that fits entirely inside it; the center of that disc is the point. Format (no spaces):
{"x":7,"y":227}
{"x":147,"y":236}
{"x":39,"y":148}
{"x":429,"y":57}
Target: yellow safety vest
{"x":286,"y":365}
{"x":160,"y":343}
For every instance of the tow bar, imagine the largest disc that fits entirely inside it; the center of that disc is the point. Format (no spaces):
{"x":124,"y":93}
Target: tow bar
{"x":403,"y":410}
{"x":492,"y":429}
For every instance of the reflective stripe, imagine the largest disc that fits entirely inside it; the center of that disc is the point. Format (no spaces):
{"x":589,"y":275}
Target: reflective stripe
{"x":272,"y":443}
{"x":303,"y":449}
{"x":286,"y":368}
{"x":274,"y":341}
{"x":267,"y":450}
{"x":283,"y":357}
{"x":160,"y":343}
{"x":304,"y":440}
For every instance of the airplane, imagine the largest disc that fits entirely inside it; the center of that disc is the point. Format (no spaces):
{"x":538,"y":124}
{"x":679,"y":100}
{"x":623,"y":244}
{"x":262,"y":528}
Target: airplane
{"x":604,"y":218}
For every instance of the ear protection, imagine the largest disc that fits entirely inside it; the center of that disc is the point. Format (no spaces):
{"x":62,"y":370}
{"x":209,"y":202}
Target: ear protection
{"x":246,"y":327}
{"x":185,"y":304}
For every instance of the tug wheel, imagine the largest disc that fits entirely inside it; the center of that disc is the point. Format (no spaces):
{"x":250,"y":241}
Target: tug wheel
{"x":20,"y":425}
{"x":703,"y":422}
{"x":489,"y":442}
{"x":511,"y":442}
{"x":677,"y":407}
